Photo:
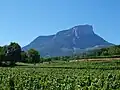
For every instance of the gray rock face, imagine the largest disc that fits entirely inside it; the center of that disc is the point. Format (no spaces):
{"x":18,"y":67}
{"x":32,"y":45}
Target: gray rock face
{"x":67,"y":42}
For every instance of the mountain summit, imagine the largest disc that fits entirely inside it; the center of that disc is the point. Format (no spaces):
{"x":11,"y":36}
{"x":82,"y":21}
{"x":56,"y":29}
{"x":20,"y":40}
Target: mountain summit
{"x":82,"y":29}
{"x":68,"y":42}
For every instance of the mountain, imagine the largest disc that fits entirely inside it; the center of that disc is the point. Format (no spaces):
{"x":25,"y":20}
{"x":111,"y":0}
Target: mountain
{"x":67,"y":42}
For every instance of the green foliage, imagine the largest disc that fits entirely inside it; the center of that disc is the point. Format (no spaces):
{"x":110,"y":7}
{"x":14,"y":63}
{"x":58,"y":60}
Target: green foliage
{"x":110,"y":51}
{"x":24,"y":57}
{"x":62,"y":76}
{"x":10,"y":54}
{"x":13,"y":52}
{"x":33,"y":56}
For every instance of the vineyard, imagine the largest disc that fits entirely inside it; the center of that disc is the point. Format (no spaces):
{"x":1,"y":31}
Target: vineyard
{"x":62,"y":76}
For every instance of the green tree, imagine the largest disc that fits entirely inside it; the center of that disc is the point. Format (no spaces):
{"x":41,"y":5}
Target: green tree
{"x":13,"y":53}
{"x":33,"y":56}
{"x":24,"y":57}
{"x":2,"y":54}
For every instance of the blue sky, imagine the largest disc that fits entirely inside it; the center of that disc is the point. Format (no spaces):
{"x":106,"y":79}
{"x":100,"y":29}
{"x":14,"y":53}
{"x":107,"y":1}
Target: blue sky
{"x":24,"y":20}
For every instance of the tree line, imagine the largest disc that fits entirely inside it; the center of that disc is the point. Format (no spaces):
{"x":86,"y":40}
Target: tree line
{"x":113,"y":51}
{"x":12,"y":53}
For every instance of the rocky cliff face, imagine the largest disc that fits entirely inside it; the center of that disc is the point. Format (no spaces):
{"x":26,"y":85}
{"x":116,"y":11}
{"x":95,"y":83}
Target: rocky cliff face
{"x":67,"y":42}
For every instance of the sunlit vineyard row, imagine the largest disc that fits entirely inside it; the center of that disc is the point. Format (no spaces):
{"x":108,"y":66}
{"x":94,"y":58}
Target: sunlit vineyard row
{"x":63,"y":77}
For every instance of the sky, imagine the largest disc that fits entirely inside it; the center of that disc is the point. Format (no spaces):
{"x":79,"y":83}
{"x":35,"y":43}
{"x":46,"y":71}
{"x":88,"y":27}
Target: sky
{"x":22,"y":21}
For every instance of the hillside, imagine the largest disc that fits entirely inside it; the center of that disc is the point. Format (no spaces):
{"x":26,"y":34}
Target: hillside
{"x":67,"y":42}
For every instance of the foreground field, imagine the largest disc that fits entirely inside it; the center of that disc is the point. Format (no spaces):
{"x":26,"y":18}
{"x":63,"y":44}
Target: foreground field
{"x":62,"y":76}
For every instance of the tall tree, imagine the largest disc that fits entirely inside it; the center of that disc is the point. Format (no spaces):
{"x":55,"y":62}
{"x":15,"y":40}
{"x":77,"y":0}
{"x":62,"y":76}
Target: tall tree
{"x":13,"y":52}
{"x":34,"y":56}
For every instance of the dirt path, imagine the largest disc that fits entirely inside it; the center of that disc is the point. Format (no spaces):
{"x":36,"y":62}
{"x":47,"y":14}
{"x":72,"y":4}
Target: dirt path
{"x":98,"y":59}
